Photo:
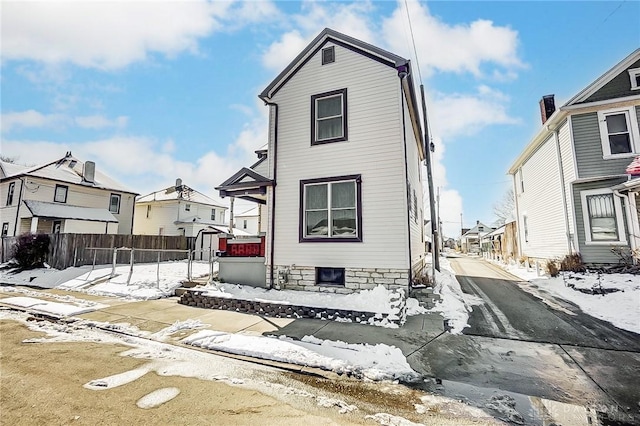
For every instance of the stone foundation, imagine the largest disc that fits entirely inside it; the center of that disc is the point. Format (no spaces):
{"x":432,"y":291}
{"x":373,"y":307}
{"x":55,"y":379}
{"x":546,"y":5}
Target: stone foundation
{"x":356,"y":279}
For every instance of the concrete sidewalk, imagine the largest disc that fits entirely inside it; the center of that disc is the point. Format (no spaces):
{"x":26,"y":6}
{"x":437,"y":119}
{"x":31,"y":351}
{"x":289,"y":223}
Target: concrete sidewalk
{"x":154,"y":315}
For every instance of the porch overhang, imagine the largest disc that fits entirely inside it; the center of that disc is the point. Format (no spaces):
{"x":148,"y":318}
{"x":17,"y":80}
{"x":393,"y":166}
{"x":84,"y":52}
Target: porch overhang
{"x":246,"y":184}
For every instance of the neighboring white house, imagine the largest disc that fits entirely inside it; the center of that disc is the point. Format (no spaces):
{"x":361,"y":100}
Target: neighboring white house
{"x":250,"y":220}
{"x":342,"y":181}
{"x":571,"y":179}
{"x":177,"y":210}
{"x":470,"y":240}
{"x":63,"y":196}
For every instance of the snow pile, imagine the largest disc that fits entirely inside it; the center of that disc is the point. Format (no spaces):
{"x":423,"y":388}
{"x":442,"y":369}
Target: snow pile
{"x":454,"y":305}
{"x":53,"y":308}
{"x":374,"y":362}
{"x":146,"y":281}
{"x":523,"y":272}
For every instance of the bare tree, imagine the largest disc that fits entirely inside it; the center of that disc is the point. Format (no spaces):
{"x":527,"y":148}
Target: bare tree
{"x":505,"y":208}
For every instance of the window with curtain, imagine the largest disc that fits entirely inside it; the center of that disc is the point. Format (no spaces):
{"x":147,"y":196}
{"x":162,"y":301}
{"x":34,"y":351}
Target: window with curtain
{"x":602,"y":217}
{"x":329,"y":117}
{"x":330,"y":209}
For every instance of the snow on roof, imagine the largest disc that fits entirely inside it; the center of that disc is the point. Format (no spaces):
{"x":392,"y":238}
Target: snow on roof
{"x":225,"y":229}
{"x":10,"y":169}
{"x":66,"y":169}
{"x":182,"y":192}
{"x":65,"y":211}
{"x":249,"y":213}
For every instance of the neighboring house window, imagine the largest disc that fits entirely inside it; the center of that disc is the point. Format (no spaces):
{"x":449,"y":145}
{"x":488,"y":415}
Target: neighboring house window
{"x":415,"y":206}
{"x":329,"y":117}
{"x":187,"y":207}
{"x":409,"y":199}
{"x":160,"y":231}
{"x":602,"y":214}
{"x":331,"y":209}
{"x":57,"y":225}
{"x":148,"y":210}
{"x":60,"y":195}
{"x":618,"y":132}
{"x":634,"y":75}
{"x":521,"y":181}
{"x":244,"y":224}
{"x":12,"y":187}
{"x":114,"y":203}
{"x":5,"y":229}
{"x":328,"y":55}
{"x":526,"y":228}
{"x":330,"y":276}
{"x":213,"y":214}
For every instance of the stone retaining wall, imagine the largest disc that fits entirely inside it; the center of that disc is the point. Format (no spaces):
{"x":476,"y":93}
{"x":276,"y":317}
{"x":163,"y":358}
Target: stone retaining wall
{"x":304,"y":278}
{"x":198,"y":299}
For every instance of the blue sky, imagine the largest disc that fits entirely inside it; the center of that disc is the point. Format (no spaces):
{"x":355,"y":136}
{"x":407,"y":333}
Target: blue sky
{"x":152,"y":91}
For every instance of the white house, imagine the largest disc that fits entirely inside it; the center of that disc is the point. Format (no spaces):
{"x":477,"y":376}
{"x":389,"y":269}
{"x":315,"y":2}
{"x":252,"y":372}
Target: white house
{"x":63,"y":196}
{"x":177,"y":210}
{"x":470,"y":240}
{"x":342,"y":181}
{"x":250,"y":220}
{"x":570,"y":180}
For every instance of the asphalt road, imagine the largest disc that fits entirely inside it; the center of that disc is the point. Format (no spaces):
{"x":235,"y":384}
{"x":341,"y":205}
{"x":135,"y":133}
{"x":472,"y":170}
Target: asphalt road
{"x":518,"y":343}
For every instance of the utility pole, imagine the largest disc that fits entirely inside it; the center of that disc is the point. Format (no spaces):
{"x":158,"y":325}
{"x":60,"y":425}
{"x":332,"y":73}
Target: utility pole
{"x":434,"y":225}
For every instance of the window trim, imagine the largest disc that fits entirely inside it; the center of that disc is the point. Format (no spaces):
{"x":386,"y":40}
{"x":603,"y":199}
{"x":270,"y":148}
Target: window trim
{"x":119,"y":201}
{"x":66,"y":193}
{"x":302,"y":216}
{"x":632,"y":126}
{"x":320,"y":96}
{"x":333,"y":55}
{"x":213,"y":215}
{"x":634,"y":73}
{"x":10,"y":192}
{"x":617,"y":207}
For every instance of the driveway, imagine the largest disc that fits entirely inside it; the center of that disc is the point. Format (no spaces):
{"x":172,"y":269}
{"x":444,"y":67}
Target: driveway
{"x":518,"y":343}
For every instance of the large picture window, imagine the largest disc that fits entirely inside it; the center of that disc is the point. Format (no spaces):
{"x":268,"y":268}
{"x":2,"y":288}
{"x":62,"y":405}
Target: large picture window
{"x":330,"y":209}
{"x":602,"y":214}
{"x":329,"y":117}
{"x":618,"y":132}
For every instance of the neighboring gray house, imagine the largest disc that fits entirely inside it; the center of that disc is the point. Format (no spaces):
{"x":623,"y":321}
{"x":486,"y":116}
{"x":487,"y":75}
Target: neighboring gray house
{"x":569,"y":181}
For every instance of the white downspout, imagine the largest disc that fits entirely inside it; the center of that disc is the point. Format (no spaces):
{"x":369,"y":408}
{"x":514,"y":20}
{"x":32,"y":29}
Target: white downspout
{"x":632,"y":224}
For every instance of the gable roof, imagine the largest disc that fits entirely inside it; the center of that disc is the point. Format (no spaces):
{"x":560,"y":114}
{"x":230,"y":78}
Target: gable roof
{"x":66,"y":211}
{"x":474,"y":230}
{"x":328,"y":35}
{"x":179,"y":193}
{"x":578,"y":101}
{"x":67,"y":169}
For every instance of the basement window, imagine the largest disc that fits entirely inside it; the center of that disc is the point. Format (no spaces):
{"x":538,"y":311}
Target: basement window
{"x":330,"y":276}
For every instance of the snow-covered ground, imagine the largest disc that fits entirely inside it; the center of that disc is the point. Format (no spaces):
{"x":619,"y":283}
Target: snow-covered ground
{"x":609,"y":297}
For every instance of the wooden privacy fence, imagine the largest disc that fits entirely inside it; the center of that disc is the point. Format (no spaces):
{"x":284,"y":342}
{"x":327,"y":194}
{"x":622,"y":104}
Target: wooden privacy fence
{"x":67,"y":250}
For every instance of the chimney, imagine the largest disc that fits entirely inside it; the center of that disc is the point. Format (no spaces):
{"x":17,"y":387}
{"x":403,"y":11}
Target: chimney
{"x":89,"y":171}
{"x":178,"y":183}
{"x":547,"y":107}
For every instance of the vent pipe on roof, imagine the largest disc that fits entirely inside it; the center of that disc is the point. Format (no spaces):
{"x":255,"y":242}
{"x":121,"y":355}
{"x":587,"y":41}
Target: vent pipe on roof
{"x":547,"y":107}
{"x":89,"y":173}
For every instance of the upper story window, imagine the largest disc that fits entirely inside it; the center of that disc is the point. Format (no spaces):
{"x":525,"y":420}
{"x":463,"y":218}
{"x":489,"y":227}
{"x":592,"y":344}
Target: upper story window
{"x":5,"y":229}
{"x":634,"y":75}
{"x":187,"y":207}
{"x":12,"y":187}
{"x":244,"y":224}
{"x":619,"y":132}
{"x":602,"y":215}
{"x":331,"y":209}
{"x":60,"y":195}
{"x":415,"y":206}
{"x":521,"y":180}
{"x":329,"y":117}
{"x":213,"y":214}
{"x":148,"y":211}
{"x":114,"y":203}
{"x":328,"y":55}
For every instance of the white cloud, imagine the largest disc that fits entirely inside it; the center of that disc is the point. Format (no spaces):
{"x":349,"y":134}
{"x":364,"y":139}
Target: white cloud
{"x":459,"y":114}
{"x":451,"y":48}
{"x":353,"y":19}
{"x":100,"y":122}
{"x":112,"y":35}
{"x":30,"y":118}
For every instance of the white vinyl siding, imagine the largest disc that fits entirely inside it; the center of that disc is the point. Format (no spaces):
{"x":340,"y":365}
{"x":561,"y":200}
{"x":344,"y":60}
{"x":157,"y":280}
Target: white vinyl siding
{"x":542,"y":204}
{"x":374,"y":149}
{"x":568,"y":169}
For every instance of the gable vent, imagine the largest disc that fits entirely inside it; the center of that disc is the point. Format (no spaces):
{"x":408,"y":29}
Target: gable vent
{"x":328,"y":55}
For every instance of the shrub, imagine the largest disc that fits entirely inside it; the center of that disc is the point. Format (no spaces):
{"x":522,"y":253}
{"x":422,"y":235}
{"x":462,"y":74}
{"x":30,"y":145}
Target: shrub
{"x":551,"y":268}
{"x":31,"y":250}
{"x":572,"y":263}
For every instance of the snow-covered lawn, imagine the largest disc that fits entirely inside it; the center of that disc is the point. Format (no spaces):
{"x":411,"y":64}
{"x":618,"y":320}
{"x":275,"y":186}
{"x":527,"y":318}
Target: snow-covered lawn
{"x":610,"y":297}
